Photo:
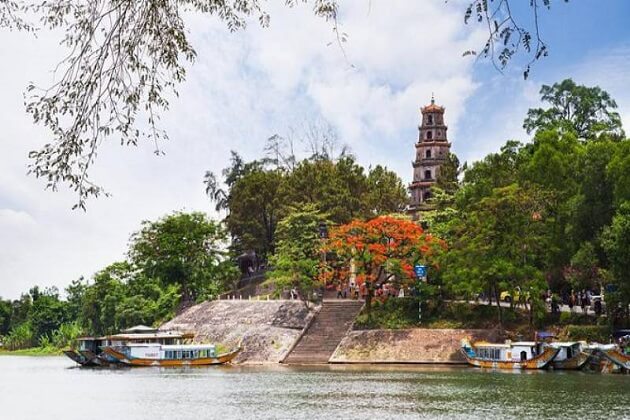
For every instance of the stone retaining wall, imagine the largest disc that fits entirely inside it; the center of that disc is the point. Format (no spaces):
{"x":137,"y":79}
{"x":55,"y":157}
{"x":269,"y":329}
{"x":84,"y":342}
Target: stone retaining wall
{"x":406,"y":346}
{"x":267,"y":329}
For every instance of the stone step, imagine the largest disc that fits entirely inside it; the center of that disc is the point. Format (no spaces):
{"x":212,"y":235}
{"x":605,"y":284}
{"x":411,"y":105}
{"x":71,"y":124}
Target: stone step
{"x":325,"y":332}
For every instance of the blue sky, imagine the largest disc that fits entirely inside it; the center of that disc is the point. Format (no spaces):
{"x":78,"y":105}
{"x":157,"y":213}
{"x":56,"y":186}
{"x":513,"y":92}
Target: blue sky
{"x":250,"y":85}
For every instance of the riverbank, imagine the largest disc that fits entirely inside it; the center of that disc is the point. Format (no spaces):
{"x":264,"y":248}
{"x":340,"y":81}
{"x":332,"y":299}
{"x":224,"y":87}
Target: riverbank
{"x":409,"y":346}
{"x":33,"y":351}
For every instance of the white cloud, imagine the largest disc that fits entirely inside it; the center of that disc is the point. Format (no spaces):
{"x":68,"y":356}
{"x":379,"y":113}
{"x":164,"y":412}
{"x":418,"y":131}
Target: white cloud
{"x":608,"y":69}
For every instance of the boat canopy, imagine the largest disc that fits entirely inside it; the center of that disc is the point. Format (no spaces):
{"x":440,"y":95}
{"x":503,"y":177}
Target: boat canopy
{"x":146,"y":336}
{"x":189,"y":347}
{"x":524,"y":343}
{"x":494,"y":345}
{"x":140,"y":329}
{"x":557,"y":344}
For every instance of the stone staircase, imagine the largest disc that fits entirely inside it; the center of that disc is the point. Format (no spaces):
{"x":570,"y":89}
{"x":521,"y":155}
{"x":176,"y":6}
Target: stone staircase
{"x":325,"y":332}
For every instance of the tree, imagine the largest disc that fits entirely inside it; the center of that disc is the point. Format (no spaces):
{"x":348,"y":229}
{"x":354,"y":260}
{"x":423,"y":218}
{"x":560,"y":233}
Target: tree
{"x":584,"y":271}
{"x":237,"y":170}
{"x":297,"y":258}
{"x":256,"y":204}
{"x":618,"y":171}
{"x":101,"y":299}
{"x":47,"y":314}
{"x":448,"y":175}
{"x":5,"y":316}
{"x":386,"y":192}
{"x":588,"y":112}
{"x":498,"y":244}
{"x":183,"y":249}
{"x":75,"y":292}
{"x":616,"y":243}
{"x":381,"y":250}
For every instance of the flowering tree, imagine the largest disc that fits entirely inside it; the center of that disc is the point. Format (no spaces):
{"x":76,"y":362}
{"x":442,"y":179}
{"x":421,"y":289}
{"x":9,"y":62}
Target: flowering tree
{"x":383,"y":249}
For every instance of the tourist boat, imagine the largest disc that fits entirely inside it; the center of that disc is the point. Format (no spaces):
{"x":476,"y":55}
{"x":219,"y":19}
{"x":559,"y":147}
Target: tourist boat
{"x":570,"y":356}
{"x":618,"y":354}
{"x":89,"y":351}
{"x":510,"y":355}
{"x":170,"y":355}
{"x":618,"y":357}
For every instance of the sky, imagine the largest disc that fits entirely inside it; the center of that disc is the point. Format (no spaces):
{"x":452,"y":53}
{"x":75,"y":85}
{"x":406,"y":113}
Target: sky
{"x":247,"y":86}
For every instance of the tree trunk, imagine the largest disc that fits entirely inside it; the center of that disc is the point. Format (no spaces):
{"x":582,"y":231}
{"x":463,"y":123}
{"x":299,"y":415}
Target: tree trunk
{"x":496,"y":298}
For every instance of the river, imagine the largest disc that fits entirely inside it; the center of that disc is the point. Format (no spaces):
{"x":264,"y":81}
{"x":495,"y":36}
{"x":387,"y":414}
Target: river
{"x":53,"y":388}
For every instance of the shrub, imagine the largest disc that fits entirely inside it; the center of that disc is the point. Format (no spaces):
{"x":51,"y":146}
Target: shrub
{"x":20,"y":337}
{"x":65,"y":336}
{"x":588,"y":333}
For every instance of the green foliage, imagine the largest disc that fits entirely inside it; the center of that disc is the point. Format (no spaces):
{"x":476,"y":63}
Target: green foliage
{"x":261,"y":193}
{"x":296,"y":262}
{"x":183,"y":249}
{"x":590,"y":333}
{"x":20,"y":337}
{"x":256,"y":203}
{"x":499,"y":244}
{"x":400,"y":313}
{"x":6,"y":311}
{"x":588,"y":112}
{"x":47,"y":313}
{"x":616,"y":243}
{"x":65,"y":336}
{"x":391,"y":314}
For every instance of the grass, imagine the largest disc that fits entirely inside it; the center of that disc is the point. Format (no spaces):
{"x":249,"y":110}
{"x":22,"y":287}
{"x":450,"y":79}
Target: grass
{"x":33,"y":351}
{"x":403,"y":313}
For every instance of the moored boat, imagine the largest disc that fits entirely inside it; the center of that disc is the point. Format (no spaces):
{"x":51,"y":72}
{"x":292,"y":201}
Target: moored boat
{"x":170,"y":355}
{"x":570,"y":356}
{"x":89,"y":351}
{"x":619,"y":353}
{"x":617,"y":357}
{"x":509,"y":355}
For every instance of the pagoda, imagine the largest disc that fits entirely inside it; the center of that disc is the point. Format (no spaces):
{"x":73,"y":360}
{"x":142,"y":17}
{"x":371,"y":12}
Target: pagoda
{"x":432,"y":150}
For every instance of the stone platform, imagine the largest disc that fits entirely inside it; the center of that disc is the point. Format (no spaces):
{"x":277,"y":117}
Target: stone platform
{"x":268,"y":329}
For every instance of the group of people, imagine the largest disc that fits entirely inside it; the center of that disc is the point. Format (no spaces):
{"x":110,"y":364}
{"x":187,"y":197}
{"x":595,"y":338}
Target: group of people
{"x":579,"y":299}
{"x":575,"y":299}
{"x":354,"y":291}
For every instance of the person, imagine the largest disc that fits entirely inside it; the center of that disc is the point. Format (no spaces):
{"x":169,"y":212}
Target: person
{"x":293,"y":293}
{"x":339,"y":294}
{"x":585,"y":302}
{"x":598,"y":307}
{"x":555,"y":308}
{"x":571,"y":301}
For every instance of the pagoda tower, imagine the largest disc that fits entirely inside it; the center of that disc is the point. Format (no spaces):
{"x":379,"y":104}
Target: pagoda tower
{"x":432,"y":150}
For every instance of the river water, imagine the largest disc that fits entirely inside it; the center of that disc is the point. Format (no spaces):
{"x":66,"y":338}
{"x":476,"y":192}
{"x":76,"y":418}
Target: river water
{"x":53,"y":388}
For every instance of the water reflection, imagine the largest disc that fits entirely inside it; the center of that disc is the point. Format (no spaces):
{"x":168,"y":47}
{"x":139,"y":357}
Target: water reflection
{"x":49,"y":388}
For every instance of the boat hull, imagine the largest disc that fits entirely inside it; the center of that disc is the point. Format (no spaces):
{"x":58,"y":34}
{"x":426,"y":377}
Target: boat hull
{"x":575,"y":363}
{"x":539,"y":362}
{"x":617,"y":357}
{"x":203,"y":361}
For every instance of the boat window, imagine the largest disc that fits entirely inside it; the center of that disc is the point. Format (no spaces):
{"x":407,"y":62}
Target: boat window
{"x":489,"y":353}
{"x":569,"y":352}
{"x":523,"y":356}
